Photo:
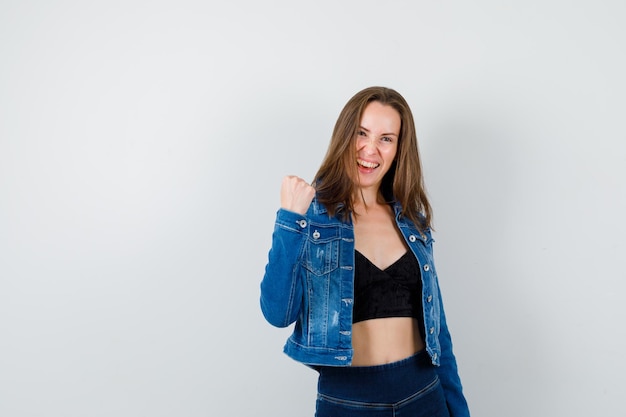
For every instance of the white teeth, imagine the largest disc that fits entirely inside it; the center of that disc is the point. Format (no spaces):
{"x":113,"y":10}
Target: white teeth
{"x":367,"y":164}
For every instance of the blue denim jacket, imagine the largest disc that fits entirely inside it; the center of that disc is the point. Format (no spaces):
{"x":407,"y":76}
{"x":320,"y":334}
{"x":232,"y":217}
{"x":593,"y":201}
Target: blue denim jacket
{"x":309,"y":280}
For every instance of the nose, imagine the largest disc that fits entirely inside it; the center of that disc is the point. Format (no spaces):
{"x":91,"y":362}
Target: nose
{"x":369,"y":145}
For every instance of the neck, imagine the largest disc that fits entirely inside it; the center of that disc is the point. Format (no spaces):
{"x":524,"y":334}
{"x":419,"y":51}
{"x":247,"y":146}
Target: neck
{"x":365,"y":197}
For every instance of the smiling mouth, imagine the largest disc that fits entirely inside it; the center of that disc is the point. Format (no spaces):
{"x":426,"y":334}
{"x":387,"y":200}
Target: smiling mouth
{"x":368,"y":165}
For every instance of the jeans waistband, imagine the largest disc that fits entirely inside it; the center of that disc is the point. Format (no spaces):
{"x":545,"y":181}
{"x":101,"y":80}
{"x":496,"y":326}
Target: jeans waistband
{"x":387,"y":382}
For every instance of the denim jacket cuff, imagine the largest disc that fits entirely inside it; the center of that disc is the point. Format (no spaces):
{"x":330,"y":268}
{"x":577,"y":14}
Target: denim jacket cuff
{"x":290,"y":220}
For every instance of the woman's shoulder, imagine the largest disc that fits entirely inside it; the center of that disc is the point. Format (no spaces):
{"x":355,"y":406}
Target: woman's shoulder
{"x":417,"y":218}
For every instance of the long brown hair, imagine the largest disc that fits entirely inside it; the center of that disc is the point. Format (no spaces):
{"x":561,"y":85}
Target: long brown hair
{"x":404,"y":182}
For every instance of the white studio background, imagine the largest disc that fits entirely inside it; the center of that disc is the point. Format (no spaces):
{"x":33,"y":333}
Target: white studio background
{"x":142,"y":144}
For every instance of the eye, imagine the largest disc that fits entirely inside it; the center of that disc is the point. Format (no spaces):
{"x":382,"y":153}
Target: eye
{"x":387,"y":139}
{"x":361,"y":133}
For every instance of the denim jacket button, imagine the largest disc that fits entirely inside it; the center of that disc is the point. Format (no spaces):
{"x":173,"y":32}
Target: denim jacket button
{"x":431,"y":330}
{"x":412,"y":238}
{"x":426,"y":268}
{"x":429,"y":299}
{"x":316,"y":235}
{"x":302,"y":223}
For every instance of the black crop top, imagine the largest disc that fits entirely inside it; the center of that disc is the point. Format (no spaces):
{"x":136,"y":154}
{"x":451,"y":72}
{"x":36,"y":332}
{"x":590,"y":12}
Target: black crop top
{"x":393,"y":292}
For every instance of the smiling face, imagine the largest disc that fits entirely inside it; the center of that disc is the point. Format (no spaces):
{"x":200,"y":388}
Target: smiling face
{"x":376,"y":144}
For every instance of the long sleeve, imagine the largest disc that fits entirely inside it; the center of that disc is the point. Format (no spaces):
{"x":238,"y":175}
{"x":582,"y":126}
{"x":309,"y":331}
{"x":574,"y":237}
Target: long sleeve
{"x":281,"y":287}
{"x":448,"y":371}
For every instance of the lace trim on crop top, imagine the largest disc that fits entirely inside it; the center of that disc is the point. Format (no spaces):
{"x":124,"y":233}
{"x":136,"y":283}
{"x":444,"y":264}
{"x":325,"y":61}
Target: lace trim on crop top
{"x":393,"y":292}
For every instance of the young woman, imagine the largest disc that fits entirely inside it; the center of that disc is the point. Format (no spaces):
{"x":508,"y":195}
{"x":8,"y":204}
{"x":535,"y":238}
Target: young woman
{"x":351,"y":264}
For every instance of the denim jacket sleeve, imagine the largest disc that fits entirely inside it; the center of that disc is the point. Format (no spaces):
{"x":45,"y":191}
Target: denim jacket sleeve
{"x":281,"y":288}
{"x":440,"y":349}
{"x":448,"y":372}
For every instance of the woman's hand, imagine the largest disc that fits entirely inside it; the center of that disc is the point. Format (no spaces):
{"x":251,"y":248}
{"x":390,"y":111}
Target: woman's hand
{"x":296,"y":194}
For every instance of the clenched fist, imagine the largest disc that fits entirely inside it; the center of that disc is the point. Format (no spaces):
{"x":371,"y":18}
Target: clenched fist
{"x":296,"y":194}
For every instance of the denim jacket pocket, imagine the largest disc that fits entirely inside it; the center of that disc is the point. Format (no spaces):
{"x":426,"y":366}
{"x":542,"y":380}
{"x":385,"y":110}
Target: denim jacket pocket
{"x":321,"y":252}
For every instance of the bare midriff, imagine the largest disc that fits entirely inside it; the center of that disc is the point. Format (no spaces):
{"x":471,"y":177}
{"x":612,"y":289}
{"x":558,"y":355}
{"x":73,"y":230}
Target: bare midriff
{"x":385,"y":340}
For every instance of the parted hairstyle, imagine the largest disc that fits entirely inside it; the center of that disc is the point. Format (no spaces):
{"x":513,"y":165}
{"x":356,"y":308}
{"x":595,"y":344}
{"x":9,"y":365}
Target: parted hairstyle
{"x":335,"y":181}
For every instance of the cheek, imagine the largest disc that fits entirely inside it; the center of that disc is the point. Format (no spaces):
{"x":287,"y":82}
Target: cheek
{"x":391,"y":152}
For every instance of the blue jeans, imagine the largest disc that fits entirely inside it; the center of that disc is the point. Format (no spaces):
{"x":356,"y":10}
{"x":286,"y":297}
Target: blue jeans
{"x":407,"y":388}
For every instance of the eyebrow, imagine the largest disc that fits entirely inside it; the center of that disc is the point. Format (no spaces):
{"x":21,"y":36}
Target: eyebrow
{"x":384,"y":134}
